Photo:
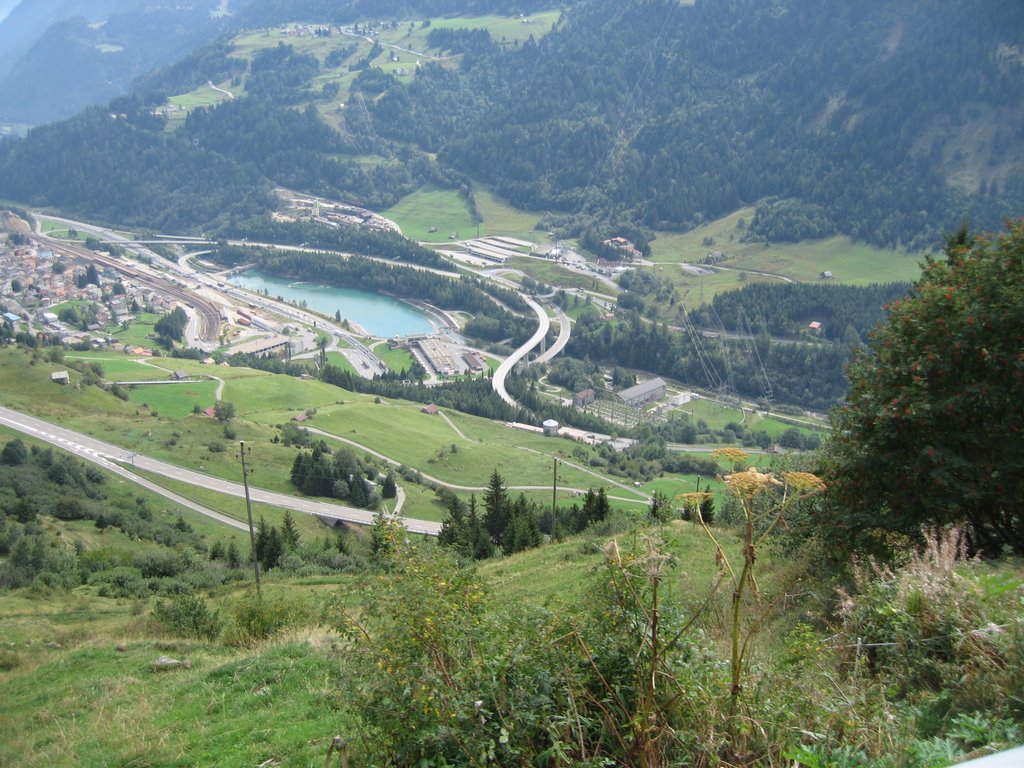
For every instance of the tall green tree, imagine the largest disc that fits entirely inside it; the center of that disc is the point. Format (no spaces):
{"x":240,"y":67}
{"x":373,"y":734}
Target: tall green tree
{"x":453,"y":527}
{"x":389,"y":488}
{"x":289,"y":532}
{"x":497,"y":508}
{"x":931,"y":431}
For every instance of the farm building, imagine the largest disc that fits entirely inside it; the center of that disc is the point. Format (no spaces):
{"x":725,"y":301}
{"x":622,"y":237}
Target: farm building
{"x":648,"y":391}
{"x":583,"y":397}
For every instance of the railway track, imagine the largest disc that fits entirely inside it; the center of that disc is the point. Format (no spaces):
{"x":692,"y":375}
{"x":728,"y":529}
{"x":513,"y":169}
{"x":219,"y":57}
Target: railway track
{"x":209,"y":314}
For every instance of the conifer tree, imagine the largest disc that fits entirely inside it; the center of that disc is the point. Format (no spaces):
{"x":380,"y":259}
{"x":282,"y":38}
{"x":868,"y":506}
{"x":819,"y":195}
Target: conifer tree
{"x":289,"y":532}
{"x":389,"y":489}
{"x":497,"y":508}
{"x":234,"y":558}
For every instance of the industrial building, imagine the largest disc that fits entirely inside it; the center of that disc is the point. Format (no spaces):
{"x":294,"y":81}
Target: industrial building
{"x":441,"y":357}
{"x":649,"y":391}
{"x":273,"y":345}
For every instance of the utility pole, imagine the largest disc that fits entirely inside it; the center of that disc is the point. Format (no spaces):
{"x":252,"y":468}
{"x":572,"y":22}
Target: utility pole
{"x":554,"y":489}
{"x":248,"y":509}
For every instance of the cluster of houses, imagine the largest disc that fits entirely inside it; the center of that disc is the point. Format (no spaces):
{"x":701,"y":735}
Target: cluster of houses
{"x":35,"y":281}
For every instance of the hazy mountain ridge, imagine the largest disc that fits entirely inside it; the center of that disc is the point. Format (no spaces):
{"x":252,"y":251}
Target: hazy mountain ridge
{"x":60,"y":56}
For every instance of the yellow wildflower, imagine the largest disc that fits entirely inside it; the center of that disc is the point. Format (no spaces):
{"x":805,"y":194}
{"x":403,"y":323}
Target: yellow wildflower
{"x":751,"y":482}
{"x":803,"y":481}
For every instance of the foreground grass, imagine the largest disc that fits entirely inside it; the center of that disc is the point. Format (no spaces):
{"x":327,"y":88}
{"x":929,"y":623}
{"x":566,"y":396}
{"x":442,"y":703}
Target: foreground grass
{"x":72,"y":698}
{"x":80,"y":689}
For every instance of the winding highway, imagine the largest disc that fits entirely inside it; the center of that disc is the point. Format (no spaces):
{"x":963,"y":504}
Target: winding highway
{"x":503,"y":370}
{"x":564,"y":329}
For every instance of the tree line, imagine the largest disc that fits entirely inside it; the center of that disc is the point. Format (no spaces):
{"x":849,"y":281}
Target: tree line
{"x":507,"y":525}
{"x":810,"y":375}
{"x":340,"y":474}
{"x":846,"y":312}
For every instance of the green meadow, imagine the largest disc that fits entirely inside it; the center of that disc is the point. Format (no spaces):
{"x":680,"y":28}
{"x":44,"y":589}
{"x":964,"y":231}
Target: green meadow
{"x":500,"y":218}
{"x":461,"y":449}
{"x":849,"y":262}
{"x":174,"y":400}
{"x":505,"y":29}
{"x":80,"y":688}
{"x":59,"y":229}
{"x":202,"y":96}
{"x":138,"y":333}
{"x":431,"y":208}
{"x":396,"y":359}
{"x":120,"y":367}
{"x":338,"y":360}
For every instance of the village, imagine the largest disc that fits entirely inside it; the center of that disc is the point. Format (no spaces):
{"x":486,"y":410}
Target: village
{"x":55,"y":295}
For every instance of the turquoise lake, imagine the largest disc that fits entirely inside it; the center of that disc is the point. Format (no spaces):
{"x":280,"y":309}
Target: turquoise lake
{"x":380,"y":315}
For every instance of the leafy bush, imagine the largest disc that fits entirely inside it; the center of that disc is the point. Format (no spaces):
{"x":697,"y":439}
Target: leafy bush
{"x":120,"y":581}
{"x":189,"y":616}
{"x":935,"y":402}
{"x":255,"y":618}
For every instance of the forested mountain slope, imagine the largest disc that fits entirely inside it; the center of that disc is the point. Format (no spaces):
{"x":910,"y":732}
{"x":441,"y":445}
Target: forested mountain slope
{"x":268,"y":12}
{"x":882,"y":120}
{"x":888,"y":121}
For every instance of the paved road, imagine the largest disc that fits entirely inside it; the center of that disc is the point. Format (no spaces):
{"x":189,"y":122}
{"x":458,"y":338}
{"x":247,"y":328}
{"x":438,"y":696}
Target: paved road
{"x":503,"y":370}
{"x":564,"y":329}
{"x":480,"y":488}
{"x":105,"y":454}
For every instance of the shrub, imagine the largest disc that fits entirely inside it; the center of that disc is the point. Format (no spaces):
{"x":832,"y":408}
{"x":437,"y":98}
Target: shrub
{"x":255,"y":618}
{"x":189,"y":616}
{"x":120,"y":581}
{"x":933,"y":626}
